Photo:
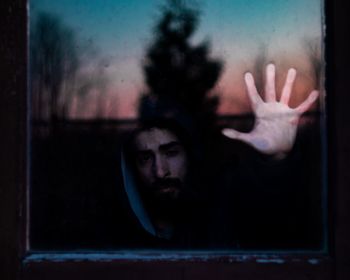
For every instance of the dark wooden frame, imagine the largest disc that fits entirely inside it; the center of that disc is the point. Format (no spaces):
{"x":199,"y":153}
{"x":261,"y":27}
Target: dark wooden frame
{"x":16,"y":263}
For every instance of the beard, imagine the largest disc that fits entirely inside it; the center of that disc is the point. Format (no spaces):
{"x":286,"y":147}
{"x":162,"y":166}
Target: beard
{"x":167,"y":198}
{"x":167,"y":189}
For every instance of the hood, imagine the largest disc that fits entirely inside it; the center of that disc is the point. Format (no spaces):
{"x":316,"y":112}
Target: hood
{"x":134,"y":197}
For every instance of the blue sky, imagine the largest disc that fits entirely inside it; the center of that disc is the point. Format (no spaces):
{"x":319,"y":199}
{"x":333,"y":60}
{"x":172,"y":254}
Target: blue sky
{"x":121,"y":30}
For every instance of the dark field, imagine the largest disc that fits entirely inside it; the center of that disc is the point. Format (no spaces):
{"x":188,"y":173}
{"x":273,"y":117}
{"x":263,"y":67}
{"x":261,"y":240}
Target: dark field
{"x":77,"y":195}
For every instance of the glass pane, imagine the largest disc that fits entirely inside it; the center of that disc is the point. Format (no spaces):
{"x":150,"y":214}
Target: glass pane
{"x":177,"y":125}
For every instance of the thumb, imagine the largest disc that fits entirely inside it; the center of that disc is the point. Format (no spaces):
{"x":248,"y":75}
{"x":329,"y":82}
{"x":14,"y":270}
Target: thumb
{"x":234,"y":134}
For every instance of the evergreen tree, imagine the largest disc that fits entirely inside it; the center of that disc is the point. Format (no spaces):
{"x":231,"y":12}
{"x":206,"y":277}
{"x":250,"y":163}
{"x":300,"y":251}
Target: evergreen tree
{"x":180,"y":76}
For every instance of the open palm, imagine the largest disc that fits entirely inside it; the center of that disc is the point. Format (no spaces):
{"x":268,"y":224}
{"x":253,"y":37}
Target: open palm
{"x":276,"y":123}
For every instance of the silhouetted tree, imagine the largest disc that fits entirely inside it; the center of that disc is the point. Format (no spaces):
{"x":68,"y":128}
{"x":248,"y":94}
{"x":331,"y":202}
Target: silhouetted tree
{"x":259,"y":69}
{"x":63,"y":67}
{"x":313,"y":52}
{"x":54,"y":63}
{"x":180,"y":75}
{"x":91,"y":77}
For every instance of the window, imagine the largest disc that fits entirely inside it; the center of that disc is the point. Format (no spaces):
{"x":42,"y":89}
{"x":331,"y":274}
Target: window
{"x":216,"y":265}
{"x":187,"y":184}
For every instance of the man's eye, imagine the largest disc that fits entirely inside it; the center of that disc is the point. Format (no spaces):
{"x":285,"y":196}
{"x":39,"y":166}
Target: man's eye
{"x":172,"y":153}
{"x":144,"y":158}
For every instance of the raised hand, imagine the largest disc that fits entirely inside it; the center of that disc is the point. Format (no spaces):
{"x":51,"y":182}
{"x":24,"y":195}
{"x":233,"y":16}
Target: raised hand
{"x":276,"y":123}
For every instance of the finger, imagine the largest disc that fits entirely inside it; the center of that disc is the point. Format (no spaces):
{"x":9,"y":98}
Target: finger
{"x":270,"y":92}
{"x":253,"y":94}
{"x":234,"y":134}
{"x":303,"y":107}
{"x":287,"y":89}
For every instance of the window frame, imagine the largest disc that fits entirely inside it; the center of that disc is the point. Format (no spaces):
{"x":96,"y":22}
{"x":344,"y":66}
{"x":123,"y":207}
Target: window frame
{"x":17,"y":262}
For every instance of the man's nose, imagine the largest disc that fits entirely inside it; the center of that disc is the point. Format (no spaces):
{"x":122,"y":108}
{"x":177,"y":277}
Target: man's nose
{"x":161,"y":168}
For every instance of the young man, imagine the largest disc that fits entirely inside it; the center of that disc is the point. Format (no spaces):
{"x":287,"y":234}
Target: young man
{"x":159,"y":170}
{"x":159,"y":178}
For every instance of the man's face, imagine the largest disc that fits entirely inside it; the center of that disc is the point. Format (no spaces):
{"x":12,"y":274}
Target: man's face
{"x":161,"y":163}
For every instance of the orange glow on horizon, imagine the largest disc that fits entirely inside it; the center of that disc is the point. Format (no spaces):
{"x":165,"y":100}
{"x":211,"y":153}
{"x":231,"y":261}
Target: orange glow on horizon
{"x":121,"y":99}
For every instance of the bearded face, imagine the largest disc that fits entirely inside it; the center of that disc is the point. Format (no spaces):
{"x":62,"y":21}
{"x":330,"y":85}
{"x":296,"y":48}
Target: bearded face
{"x":161,"y":164}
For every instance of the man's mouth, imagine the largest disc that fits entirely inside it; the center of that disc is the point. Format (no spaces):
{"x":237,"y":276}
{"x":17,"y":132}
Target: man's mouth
{"x":167,"y":189}
{"x":166,"y":185}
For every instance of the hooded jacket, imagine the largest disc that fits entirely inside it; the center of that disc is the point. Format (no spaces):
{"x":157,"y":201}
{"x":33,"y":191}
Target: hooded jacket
{"x":189,"y":231}
{"x":253,"y":203}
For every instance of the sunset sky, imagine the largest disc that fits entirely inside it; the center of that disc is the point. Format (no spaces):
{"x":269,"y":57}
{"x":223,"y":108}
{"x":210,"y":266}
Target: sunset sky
{"x":238,"y":30}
